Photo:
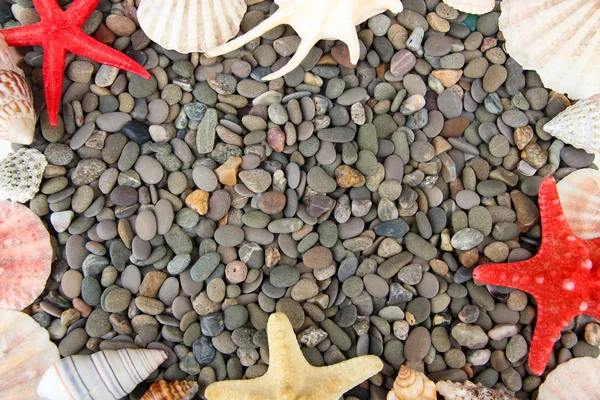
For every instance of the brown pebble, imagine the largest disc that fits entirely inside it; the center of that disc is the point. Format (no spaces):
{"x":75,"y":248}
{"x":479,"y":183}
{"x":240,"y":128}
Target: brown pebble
{"x":455,"y":127}
{"x":448,"y":77}
{"x":272,"y":202}
{"x":272,"y":256}
{"x":348,"y":177}
{"x":227,"y":173}
{"x":152,"y":283}
{"x":318,"y":257}
{"x":198,"y":201}
{"x":527,"y":212}
{"x":341,"y":54}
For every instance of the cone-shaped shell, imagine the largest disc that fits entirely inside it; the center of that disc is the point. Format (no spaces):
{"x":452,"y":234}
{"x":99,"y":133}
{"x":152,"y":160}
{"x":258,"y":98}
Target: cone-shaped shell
{"x":559,"y":39}
{"x":579,"y":125}
{"x":175,"y":390}
{"x":577,"y":379}
{"x":472,"y":6}
{"x":579,"y":194}
{"x":17,"y":116}
{"x":470,"y":391}
{"x":191,"y":25}
{"x":21,"y":174}
{"x":105,"y":375}
{"x":412,"y":385}
{"x":25,"y":256}
{"x":26,"y":353}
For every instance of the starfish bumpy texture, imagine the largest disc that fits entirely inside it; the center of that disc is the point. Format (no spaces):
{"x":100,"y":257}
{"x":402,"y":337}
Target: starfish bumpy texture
{"x":314,"y":20}
{"x":291,"y":377}
{"x":563,"y":277}
{"x":58,"y":32}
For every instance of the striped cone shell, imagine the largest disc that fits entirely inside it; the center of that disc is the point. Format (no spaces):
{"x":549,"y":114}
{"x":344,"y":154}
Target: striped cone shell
{"x":105,"y":375}
{"x":191,"y":25}
{"x":26,"y":353}
{"x":17,"y":116}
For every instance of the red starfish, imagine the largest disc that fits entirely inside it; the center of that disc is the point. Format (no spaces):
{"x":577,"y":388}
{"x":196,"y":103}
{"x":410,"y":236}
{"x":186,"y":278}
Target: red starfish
{"x":563,"y":277}
{"x":58,"y":32}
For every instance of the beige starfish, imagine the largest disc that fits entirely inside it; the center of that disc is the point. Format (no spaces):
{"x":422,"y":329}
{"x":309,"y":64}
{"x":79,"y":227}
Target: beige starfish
{"x":314,"y":20}
{"x":291,"y":377}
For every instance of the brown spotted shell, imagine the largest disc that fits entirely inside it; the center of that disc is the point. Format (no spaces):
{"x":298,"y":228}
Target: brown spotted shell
{"x":174,"y":390}
{"x":17,"y":116}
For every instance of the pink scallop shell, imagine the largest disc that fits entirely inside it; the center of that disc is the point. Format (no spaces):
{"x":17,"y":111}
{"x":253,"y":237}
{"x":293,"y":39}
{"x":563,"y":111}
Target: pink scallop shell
{"x":25,"y":256}
{"x":579,"y":195}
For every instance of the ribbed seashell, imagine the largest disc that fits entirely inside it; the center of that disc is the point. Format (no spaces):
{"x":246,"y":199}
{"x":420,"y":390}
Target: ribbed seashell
{"x":25,"y":256}
{"x":470,"y":391}
{"x":105,"y":375}
{"x":17,"y":116}
{"x":577,"y":379}
{"x":26,"y":353}
{"x":21,"y":174}
{"x":579,"y":194}
{"x":412,"y":385}
{"x":579,"y":125}
{"x":191,"y":25}
{"x":472,"y":6}
{"x":559,"y":39}
{"x":175,"y":390}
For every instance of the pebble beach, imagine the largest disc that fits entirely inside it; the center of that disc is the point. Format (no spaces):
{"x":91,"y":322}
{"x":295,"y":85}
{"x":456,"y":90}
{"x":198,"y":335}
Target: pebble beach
{"x":356,"y":199}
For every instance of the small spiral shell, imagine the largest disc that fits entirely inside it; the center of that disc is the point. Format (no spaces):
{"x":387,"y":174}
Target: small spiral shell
{"x":412,"y":385}
{"x":175,"y":390}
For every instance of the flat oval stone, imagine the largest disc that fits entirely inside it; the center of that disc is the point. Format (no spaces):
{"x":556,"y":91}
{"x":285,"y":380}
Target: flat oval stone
{"x":137,"y":131}
{"x":466,"y":239}
{"x":164,"y":216}
{"x":145,"y":225}
{"x":113,"y":121}
{"x":395,"y":229}
{"x":149,"y":169}
{"x":124,"y":196}
{"x":318,"y":257}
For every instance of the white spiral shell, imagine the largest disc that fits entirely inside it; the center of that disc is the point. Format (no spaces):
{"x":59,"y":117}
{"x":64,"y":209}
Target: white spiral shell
{"x":105,"y":375}
{"x":17,"y":115}
{"x":579,"y":125}
{"x":191,"y":25}
{"x":21,"y":174}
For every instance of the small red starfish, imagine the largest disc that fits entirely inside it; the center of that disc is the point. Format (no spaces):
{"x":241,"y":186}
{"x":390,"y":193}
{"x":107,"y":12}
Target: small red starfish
{"x":58,"y":32}
{"x":563,"y":277}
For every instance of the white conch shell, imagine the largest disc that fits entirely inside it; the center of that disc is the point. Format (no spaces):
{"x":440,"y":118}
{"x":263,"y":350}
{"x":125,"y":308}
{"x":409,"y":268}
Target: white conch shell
{"x":577,"y":379}
{"x":17,"y":116}
{"x":472,"y":6}
{"x":21,"y":174}
{"x":105,"y":375}
{"x":579,"y":194}
{"x":470,"y":391}
{"x":559,"y":39}
{"x":191,"y":25}
{"x":579,"y":125}
{"x":314,"y":20}
{"x":26,"y":352}
{"x":412,"y":385}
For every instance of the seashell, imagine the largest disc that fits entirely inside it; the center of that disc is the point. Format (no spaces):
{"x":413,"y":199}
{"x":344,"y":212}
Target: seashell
{"x":17,"y":116}
{"x":105,"y":375}
{"x":412,"y":385}
{"x":577,"y":379}
{"x":21,"y":174}
{"x":191,"y":25}
{"x":25,"y":256}
{"x":579,"y":194}
{"x":26,"y":352}
{"x":559,"y":39}
{"x":314,"y":20}
{"x":470,"y":391}
{"x":579,"y":125}
{"x":175,"y":390}
{"x":472,"y":6}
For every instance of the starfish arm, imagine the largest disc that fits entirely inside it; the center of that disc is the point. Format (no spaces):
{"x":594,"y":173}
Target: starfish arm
{"x":337,"y":379}
{"x":300,"y":54}
{"x":250,"y":389}
{"x":553,"y":220}
{"x":85,"y":46}
{"x":47,"y":9}
{"x":514,"y":275}
{"x":274,"y":20}
{"x":550,"y":321}
{"x":283,"y":346}
{"x":53,"y":70}
{"x":80,"y":10}
{"x":29,"y":35}
{"x":350,"y":37}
